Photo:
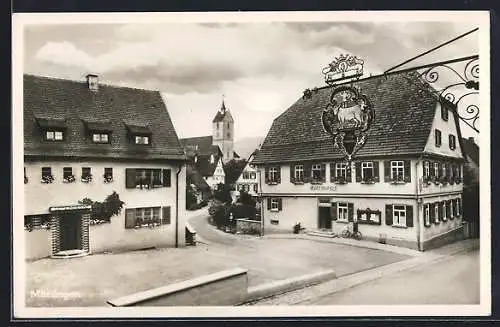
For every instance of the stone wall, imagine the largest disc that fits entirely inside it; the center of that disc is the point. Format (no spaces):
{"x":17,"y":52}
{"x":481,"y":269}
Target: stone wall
{"x":247,"y":226}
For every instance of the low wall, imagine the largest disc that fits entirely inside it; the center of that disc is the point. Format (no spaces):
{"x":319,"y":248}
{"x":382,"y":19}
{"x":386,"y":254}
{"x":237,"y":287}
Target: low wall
{"x":37,"y":244}
{"x":225,"y":288}
{"x":287,"y":285}
{"x":247,"y":226}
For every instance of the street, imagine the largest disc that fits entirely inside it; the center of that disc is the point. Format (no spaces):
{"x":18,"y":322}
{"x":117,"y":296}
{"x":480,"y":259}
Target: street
{"x":454,"y":280}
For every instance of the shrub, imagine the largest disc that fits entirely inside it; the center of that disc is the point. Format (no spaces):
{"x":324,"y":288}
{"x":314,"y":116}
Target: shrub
{"x":112,"y":206}
{"x":243,"y":211}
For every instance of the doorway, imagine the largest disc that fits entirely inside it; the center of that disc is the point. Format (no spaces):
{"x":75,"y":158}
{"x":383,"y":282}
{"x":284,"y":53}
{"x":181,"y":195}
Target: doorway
{"x":71,"y":232}
{"x":325,"y":220}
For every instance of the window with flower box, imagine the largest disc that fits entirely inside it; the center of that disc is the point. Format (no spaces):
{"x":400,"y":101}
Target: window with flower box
{"x":367,"y":172}
{"x":86,"y":175}
{"x":444,"y":176}
{"x":147,"y":178}
{"x":427,"y":171}
{"x":318,"y":173}
{"x":108,"y":175}
{"x":147,"y":217}
{"x":340,"y":172}
{"x":273,"y":175}
{"x":397,"y":171}
{"x":436,"y":170}
{"x":34,"y":222}
{"x":47,"y":176}
{"x":68,"y":176}
{"x":368,"y":216}
{"x":299,"y":173}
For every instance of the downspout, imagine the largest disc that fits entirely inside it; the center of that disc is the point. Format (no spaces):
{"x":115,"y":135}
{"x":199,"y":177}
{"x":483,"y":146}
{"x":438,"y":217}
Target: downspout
{"x":419,"y":240}
{"x":177,"y":206}
{"x":261,"y":204}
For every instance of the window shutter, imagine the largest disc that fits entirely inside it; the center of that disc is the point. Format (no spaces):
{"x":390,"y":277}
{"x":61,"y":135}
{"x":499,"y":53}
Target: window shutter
{"x":280,"y":204}
{"x":407,"y":168}
{"x":268,"y":203}
{"x":348,"y":173}
{"x":376,"y":173}
{"x":432,"y":213}
{"x":431,"y":169}
{"x":387,"y":171}
{"x":388,"y":214}
{"x":350,"y":211}
{"x":307,"y":172}
{"x":439,"y":174}
{"x":424,"y":163}
{"x":332,"y":172}
{"x":129,"y":218}
{"x":166,"y":216}
{"x":440,"y":210}
{"x":266,"y":174}
{"x":409,"y":216}
{"x":358,"y":171}
{"x":333,"y":211}
{"x":323,"y":172}
{"x":278,"y":180}
{"x":130,"y":178}
{"x":167,"y":177}
{"x":292,"y":172}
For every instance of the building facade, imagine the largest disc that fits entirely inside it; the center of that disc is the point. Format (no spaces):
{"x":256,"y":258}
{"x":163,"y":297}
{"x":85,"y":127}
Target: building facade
{"x":403,"y":186}
{"x":249,"y":179}
{"x":89,"y":142}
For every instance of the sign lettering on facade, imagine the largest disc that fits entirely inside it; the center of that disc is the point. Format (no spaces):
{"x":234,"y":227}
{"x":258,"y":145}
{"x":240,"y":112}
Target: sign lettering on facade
{"x":323,"y":188}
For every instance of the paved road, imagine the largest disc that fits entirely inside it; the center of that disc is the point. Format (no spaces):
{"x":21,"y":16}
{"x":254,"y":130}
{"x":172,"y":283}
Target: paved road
{"x":454,"y":280}
{"x":208,"y":233}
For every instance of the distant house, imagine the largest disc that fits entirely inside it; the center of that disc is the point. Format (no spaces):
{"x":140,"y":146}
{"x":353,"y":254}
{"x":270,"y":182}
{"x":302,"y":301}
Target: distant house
{"x":198,"y":184}
{"x":87,"y":140}
{"x":471,"y":150}
{"x":209,"y":153}
{"x":249,"y":180}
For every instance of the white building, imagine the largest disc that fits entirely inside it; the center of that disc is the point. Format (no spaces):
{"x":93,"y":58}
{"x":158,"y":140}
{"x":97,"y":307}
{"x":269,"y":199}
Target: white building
{"x":86,"y":140}
{"x":404,"y":185}
{"x":249,"y":179}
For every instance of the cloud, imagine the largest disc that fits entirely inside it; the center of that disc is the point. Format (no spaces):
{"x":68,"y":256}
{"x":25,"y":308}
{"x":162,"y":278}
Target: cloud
{"x":65,"y":54}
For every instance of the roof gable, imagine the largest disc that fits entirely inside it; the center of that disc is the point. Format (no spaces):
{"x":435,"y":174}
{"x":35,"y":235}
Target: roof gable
{"x":110,"y":107}
{"x":404,"y":110}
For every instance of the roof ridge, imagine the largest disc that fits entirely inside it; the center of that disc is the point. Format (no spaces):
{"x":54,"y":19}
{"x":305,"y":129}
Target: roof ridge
{"x":100,"y":83}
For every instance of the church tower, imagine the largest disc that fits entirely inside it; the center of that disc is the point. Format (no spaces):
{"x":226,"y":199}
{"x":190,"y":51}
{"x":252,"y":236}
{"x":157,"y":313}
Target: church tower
{"x":223,"y":132}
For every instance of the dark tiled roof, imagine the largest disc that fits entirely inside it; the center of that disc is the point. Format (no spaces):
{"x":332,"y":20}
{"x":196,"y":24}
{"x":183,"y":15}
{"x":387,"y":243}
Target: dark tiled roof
{"x":404,"y":111}
{"x":235,"y":155}
{"x":193,"y":176}
{"x":204,"y":166}
{"x":204,"y":145}
{"x":471,"y":149}
{"x":57,"y":99}
{"x":220,"y":114}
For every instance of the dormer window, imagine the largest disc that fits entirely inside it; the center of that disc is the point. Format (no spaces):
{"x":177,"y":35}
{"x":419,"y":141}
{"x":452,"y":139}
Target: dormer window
{"x":54,"y":135}
{"x":142,"y":139}
{"x":100,"y":137}
{"x":212,"y":159}
{"x":139,"y":134}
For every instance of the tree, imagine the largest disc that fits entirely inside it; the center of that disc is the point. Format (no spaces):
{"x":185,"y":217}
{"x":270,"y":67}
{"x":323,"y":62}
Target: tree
{"x":112,"y":206}
{"x":223,"y":193}
{"x":233,"y":169}
{"x":246,"y":199}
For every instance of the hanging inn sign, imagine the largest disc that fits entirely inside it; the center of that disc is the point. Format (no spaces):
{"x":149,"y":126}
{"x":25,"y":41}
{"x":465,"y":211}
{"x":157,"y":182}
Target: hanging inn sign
{"x":349,"y":113}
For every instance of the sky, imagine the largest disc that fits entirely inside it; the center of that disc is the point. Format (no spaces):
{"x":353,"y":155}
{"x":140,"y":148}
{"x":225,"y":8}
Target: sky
{"x":259,"y":68}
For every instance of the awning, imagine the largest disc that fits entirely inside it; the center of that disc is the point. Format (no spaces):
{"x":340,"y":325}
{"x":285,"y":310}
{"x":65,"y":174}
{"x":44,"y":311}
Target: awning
{"x":137,"y":129}
{"x":51,"y":123}
{"x":77,"y":207}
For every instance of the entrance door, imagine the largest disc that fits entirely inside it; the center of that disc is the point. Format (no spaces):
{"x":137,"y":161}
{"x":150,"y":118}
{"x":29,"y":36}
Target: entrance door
{"x":70,"y":229}
{"x":325,"y":220}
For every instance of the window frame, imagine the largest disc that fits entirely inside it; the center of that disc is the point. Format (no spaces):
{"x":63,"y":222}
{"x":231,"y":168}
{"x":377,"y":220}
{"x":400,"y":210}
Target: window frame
{"x":453,"y":142}
{"x":342,"y":168}
{"x":299,"y":169}
{"x":427,"y":169}
{"x":274,"y":204}
{"x":436,"y":169}
{"x":438,"y":138}
{"x":436,"y":212}
{"x":427,"y":214}
{"x":100,"y":137}
{"x":273,"y":174}
{"x":365,"y":166}
{"x":316,"y":168}
{"x":54,"y":132}
{"x":343,"y":207}
{"x":142,"y":137}
{"x":397,"y":219}
{"x":395,"y":166}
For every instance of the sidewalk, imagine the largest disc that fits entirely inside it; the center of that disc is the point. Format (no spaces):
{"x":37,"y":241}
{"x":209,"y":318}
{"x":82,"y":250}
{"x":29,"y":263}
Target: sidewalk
{"x":309,"y":294}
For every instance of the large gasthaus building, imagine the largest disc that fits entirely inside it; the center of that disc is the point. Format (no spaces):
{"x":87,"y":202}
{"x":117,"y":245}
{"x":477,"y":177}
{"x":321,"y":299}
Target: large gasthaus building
{"x":403,"y":182}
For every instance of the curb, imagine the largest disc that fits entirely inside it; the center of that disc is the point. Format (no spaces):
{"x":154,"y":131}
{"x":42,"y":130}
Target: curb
{"x":287,"y":285}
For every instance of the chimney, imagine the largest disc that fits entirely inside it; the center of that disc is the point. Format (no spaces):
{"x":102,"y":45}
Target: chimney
{"x":471,"y":139}
{"x":93,"y":82}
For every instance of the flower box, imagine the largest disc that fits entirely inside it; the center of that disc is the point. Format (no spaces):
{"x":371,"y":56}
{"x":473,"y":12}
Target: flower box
{"x":368,"y":181}
{"x":47,"y":179}
{"x":87,"y":179}
{"x":398,"y":180}
{"x":69,"y":179}
{"x":108,"y":179}
{"x":339,"y":180}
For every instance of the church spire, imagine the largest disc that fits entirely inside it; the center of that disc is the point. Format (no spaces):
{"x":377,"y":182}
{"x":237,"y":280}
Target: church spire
{"x":223,"y":106}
